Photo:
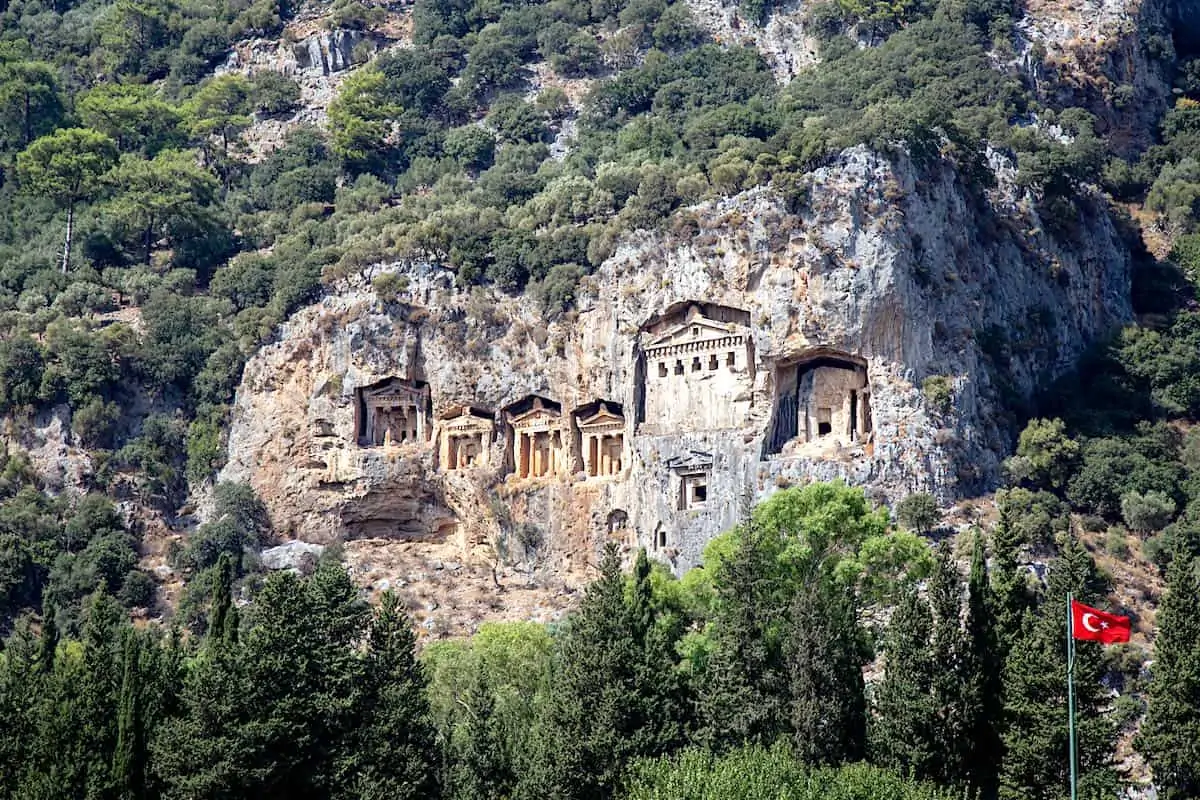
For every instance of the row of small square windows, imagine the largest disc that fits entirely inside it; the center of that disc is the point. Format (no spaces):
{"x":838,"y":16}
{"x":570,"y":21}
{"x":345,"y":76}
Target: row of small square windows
{"x":730,"y":360}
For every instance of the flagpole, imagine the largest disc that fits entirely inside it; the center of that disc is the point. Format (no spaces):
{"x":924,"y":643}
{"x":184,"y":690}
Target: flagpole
{"x":1071,"y":693}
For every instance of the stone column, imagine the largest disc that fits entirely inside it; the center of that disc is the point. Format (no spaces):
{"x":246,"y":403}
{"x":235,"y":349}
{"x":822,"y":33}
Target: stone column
{"x":846,"y":416}
{"x":535,"y":470}
{"x":588,"y":458}
{"x":420,"y":425}
{"x":444,"y":451}
{"x":483,"y":450}
{"x":522,"y":455}
{"x":605,"y":458}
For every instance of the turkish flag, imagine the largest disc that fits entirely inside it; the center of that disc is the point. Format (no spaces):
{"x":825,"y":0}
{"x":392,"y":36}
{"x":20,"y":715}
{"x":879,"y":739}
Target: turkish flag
{"x":1093,"y":625}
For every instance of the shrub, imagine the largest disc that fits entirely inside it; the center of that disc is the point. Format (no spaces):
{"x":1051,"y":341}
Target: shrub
{"x":939,"y":393}
{"x":139,"y":590}
{"x":1116,"y":542}
{"x":1146,"y":513}
{"x":1048,"y":456}
{"x":95,"y":422}
{"x":274,"y":93}
{"x":918,"y":512}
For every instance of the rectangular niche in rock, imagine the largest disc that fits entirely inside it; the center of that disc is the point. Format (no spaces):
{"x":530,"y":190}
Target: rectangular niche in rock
{"x":464,"y":438}
{"x":537,"y":437}
{"x":822,"y":398}
{"x":693,"y":474}
{"x":393,"y":411}
{"x":602,"y":439}
{"x":695,"y":371}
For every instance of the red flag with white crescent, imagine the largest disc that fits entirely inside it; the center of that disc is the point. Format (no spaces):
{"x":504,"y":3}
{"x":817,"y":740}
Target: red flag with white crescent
{"x":1093,"y":625}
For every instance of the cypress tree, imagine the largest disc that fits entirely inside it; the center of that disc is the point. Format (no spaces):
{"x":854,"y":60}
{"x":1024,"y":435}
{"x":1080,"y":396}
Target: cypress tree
{"x":222,"y":621}
{"x":902,"y":733}
{"x":986,"y":666}
{"x":48,"y":641}
{"x":742,"y":690}
{"x":479,"y":768}
{"x":825,"y":654}
{"x":1170,"y":735}
{"x":128,"y":771}
{"x":394,"y":751}
{"x":1010,"y":582}
{"x":1035,"y":765}
{"x":615,"y":692}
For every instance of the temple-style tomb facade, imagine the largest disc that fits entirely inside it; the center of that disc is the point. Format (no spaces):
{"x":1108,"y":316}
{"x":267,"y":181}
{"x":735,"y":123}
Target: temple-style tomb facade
{"x":393,"y":411}
{"x":602,"y":436}
{"x":536,"y":438}
{"x":464,"y":438}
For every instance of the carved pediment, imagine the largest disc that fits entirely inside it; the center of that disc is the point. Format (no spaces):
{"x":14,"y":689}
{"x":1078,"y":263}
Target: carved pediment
{"x":395,"y":392}
{"x":537,"y":416}
{"x":604,"y":418}
{"x":698,"y":330}
{"x":692,"y":461}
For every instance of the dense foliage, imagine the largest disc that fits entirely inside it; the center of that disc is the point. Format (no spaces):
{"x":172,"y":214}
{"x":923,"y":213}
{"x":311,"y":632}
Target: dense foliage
{"x":745,"y":679}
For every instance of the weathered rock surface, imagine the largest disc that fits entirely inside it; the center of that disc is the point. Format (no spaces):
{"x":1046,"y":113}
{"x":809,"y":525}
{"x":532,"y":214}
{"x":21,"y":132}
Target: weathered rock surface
{"x":292,"y":555}
{"x":1112,"y":57}
{"x":909,"y":274}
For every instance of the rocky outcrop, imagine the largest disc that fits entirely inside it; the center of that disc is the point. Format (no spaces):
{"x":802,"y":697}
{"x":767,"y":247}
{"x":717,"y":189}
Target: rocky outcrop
{"x":1112,"y":57}
{"x":781,"y":38}
{"x":946,"y":298}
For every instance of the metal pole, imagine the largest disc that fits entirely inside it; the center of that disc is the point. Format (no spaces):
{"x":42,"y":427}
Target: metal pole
{"x":1071,"y":694}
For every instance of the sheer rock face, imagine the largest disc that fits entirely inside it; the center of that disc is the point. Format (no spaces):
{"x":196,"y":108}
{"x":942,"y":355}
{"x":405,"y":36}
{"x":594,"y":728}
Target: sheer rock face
{"x":925,"y":298}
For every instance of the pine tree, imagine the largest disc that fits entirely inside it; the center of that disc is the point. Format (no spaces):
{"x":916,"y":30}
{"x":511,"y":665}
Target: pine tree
{"x":825,"y":654}
{"x":615,"y":693}
{"x":1035,"y":765}
{"x":902,"y":735}
{"x":1170,"y":735}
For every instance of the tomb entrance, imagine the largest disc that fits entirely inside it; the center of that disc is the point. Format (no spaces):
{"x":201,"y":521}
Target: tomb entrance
{"x":824,"y":397}
{"x":693,"y":472}
{"x":392,"y":411}
{"x":602,"y":439}
{"x":536,"y":438}
{"x":464,"y":438}
{"x":695,"y":370}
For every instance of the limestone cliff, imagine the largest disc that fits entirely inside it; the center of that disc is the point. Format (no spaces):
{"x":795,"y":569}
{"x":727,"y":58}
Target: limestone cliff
{"x":692,"y":380}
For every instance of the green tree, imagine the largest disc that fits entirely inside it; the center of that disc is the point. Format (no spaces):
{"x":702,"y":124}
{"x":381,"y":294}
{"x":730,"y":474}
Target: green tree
{"x":479,"y":767}
{"x":902,"y":734}
{"x":918,"y":512}
{"x":1046,"y":456}
{"x":165,"y":196}
{"x":67,"y":166}
{"x":359,"y":116}
{"x":393,"y":752}
{"x":30,"y":102}
{"x":1147,"y":512}
{"x":1035,"y":739}
{"x":986,"y":668}
{"x":1170,"y":734}
{"x":825,"y":653}
{"x":135,"y":117}
{"x":615,"y":694}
